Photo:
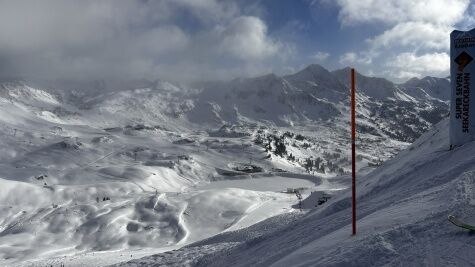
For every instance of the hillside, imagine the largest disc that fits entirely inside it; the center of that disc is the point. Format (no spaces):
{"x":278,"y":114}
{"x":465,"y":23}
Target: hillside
{"x":402,"y":220}
{"x":428,"y":87}
{"x":136,"y":168}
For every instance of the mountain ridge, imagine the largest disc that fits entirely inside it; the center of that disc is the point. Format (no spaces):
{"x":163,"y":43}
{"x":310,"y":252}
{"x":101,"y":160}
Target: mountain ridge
{"x":312,"y":96}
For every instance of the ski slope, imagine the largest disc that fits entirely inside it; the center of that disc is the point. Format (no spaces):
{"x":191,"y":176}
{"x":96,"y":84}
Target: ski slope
{"x":402,"y":220}
{"x":76,"y":191}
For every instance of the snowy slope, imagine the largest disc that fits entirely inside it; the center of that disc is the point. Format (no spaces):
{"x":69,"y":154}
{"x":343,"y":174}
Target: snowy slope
{"x":378,"y":88}
{"x":315,"y":103}
{"x":125,"y":170}
{"x":389,"y":107}
{"x":267,"y":99}
{"x":120,"y":174}
{"x":428,"y":86}
{"x":402,"y":219}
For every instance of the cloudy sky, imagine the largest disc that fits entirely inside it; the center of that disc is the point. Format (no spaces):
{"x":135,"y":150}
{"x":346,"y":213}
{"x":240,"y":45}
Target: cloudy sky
{"x":188,"y":40}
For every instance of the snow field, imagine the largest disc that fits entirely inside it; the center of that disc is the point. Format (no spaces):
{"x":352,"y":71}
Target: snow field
{"x":90,"y":178}
{"x":81,"y":193}
{"x":402,"y":220}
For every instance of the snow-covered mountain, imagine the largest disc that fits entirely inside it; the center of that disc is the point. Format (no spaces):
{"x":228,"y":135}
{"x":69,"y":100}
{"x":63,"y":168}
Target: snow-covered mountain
{"x":138,"y":167}
{"x":316,"y":95}
{"x":428,"y":87}
{"x":402,"y":220}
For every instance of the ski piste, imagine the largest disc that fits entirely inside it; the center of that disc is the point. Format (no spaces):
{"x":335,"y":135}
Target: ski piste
{"x":461,"y":224}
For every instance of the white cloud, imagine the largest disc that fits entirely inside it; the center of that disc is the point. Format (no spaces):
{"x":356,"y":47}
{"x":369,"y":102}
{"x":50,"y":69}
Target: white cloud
{"x":164,"y":39}
{"x":208,"y":11}
{"x":321,"y":56}
{"x":416,"y":39}
{"x":351,"y":58}
{"x":406,"y":65}
{"x":402,"y":75}
{"x":414,"y":24}
{"x":246,"y":38}
{"x":348,"y":58}
{"x":133,"y":39}
{"x":468,"y":21}
{"x":414,"y":34}
{"x":396,"y":11}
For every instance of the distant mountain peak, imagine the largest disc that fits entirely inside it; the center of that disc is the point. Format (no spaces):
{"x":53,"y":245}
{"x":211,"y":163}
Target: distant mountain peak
{"x":413,"y":80}
{"x":345,"y":69}
{"x":314,"y":69}
{"x":311,"y":72}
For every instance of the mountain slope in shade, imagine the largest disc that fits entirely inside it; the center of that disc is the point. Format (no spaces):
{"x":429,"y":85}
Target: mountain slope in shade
{"x":269,"y":99}
{"x":428,"y":86}
{"x":377,"y":88}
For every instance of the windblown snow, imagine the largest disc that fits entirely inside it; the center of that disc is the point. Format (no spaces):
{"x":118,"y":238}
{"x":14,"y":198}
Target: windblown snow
{"x":102,"y":173}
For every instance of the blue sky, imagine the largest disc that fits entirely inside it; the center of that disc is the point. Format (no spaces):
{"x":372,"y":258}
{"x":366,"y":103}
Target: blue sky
{"x":189,"y":40}
{"x":336,"y":34}
{"x":316,"y":31}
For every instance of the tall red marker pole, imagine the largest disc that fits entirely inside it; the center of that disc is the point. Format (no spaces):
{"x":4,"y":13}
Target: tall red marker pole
{"x":353,"y":150}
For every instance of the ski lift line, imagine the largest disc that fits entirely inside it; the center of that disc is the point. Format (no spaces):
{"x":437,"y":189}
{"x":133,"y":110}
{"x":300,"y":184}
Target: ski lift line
{"x":205,"y":164}
{"x":26,"y":130}
{"x":105,"y":156}
{"x":94,"y":161}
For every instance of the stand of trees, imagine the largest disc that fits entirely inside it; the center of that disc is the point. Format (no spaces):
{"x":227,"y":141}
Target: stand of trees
{"x":277,"y":145}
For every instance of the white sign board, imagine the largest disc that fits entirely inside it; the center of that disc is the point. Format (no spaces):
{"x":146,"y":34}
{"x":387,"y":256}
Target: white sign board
{"x":462,"y":79}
